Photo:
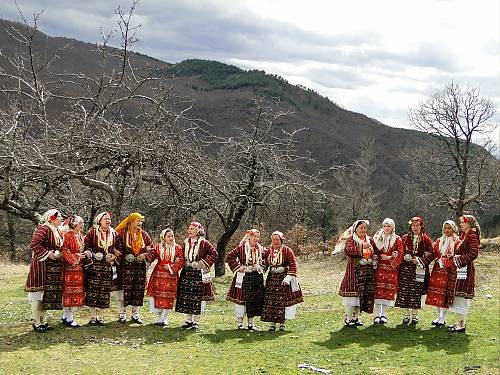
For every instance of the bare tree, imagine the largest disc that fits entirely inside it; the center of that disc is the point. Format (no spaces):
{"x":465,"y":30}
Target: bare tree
{"x":257,"y":163}
{"x":462,"y":174}
{"x":359,"y":199}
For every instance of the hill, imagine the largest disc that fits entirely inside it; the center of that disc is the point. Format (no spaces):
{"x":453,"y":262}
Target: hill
{"x":221,"y":94}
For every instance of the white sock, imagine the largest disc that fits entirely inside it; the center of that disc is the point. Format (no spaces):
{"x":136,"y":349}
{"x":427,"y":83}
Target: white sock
{"x":442,"y":315}
{"x":189,"y":318}
{"x":196,"y":318}
{"x":250,"y":322}
{"x":349,"y":311}
{"x":383,"y":310}
{"x":36,"y":312}
{"x":135,"y":312}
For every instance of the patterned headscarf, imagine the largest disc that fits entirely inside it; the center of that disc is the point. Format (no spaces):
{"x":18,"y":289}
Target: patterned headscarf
{"x":418,"y":219}
{"x":129,"y":219}
{"x":50,"y":215}
{"x":199,"y":227}
{"x":473,"y":224}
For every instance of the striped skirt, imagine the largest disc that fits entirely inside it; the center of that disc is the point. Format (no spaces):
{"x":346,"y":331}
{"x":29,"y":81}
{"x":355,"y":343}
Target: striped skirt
{"x":277,"y":297}
{"x":98,"y":278}
{"x":189,"y":292}
{"x":53,"y":288}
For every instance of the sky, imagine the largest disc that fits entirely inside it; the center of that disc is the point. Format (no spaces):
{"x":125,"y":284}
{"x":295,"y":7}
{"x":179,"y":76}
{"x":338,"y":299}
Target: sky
{"x":379,"y":58}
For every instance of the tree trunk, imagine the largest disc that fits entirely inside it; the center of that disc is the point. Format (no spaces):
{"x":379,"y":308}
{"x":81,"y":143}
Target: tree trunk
{"x":12,"y":236}
{"x":220,"y":263}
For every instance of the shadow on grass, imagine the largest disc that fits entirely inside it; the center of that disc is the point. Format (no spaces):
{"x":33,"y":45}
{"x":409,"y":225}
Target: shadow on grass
{"x":243,"y":336}
{"x":399,"y":337}
{"x":21,"y":336}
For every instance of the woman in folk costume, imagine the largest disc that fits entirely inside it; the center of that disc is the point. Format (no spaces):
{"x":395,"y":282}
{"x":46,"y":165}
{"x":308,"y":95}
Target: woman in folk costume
{"x":162,"y":286}
{"x":135,"y":247}
{"x":282,"y":292}
{"x":357,"y":287}
{"x":247,"y":288}
{"x":463,"y":260}
{"x":444,"y":274}
{"x":101,"y":244}
{"x":390,"y":257}
{"x":195,"y":284}
{"x":413,"y":277}
{"x":73,"y":281}
{"x":44,"y":282}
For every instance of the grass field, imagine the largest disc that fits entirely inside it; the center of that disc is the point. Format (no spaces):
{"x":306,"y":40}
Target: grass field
{"x":316,"y":337}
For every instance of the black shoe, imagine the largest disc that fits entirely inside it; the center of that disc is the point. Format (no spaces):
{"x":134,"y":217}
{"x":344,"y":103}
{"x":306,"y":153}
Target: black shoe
{"x":194,"y":327}
{"x":92,"y":322}
{"x":46,"y":326}
{"x":137,"y":320}
{"x":352,"y":323}
{"x":414,"y":320}
{"x":100,"y":322}
{"x":122,"y":320}
{"x":282,"y":327}
{"x":39,"y":329}
{"x":272,"y":328}
{"x":456,"y":329}
{"x":253,"y":327}
{"x":72,"y":324}
{"x":187,"y":325}
{"x":358,"y":323}
{"x":383,"y":320}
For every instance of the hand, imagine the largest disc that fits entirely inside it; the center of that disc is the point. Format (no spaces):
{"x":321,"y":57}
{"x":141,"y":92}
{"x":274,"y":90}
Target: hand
{"x":385,"y":257}
{"x":141,"y":257}
{"x":149,"y":248}
{"x":366,"y":245}
{"x":201,"y":265}
{"x":51,"y":254}
{"x":88,"y":253}
{"x":241,"y":269}
{"x":117,"y":253}
{"x":194,"y":265}
{"x":110,"y":258}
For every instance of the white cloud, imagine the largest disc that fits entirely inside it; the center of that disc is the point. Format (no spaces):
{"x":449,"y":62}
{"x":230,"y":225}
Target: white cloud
{"x":374,"y":57}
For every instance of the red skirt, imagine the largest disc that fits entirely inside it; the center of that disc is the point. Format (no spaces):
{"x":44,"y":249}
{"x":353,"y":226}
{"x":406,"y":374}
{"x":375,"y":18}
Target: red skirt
{"x":386,"y":283}
{"x":162,"y":286}
{"x":73,"y":291}
{"x":441,"y":287}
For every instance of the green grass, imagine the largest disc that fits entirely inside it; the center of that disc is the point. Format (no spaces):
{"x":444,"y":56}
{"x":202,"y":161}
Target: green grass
{"x":317,"y":337}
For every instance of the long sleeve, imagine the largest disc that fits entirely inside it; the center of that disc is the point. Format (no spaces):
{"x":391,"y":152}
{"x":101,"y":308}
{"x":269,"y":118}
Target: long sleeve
{"x":179,"y":259}
{"x":471,"y":250}
{"x":352,"y":249}
{"x":39,"y":242}
{"x":209,"y":254}
{"x":397,"y":260}
{"x":233,"y":258}
{"x":69,"y":246}
{"x":291,"y":260}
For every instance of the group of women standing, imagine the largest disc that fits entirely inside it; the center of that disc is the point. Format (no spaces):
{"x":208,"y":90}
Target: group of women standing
{"x":388,"y":270}
{"x":69,"y":270}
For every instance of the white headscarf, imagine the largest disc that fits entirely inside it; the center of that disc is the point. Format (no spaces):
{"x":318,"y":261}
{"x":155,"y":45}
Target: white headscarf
{"x":340,"y":246}
{"x":385,"y":241}
{"x":447,"y":244}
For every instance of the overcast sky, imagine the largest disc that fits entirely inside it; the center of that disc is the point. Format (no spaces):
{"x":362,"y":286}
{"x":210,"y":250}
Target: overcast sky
{"x":374,"y":57}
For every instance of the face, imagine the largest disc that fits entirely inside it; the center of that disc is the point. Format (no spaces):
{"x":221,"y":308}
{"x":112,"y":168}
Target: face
{"x":275,"y":241}
{"x":192,"y":231}
{"x":169,"y":237}
{"x":254,"y":240}
{"x":448,"y":230}
{"x":361,"y":230}
{"x":105,"y":221}
{"x":416,"y":228}
{"x":79,"y":227}
{"x":387,"y":228}
{"x":464,"y":226}
{"x":136,"y":225}
{"x":57,"y":222}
